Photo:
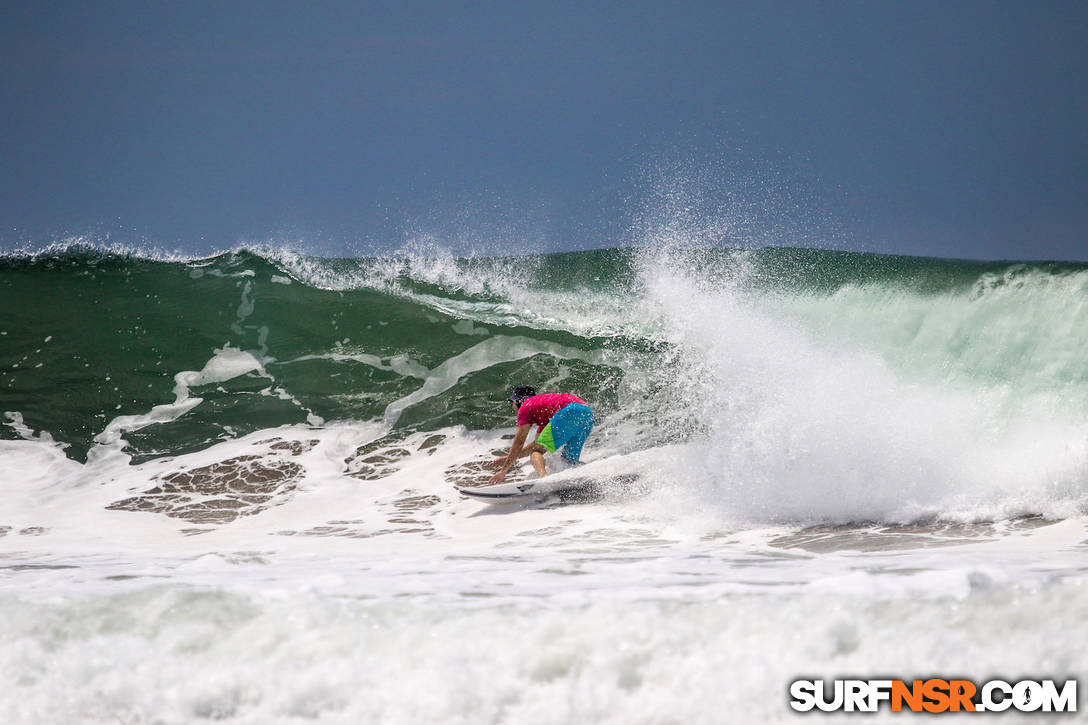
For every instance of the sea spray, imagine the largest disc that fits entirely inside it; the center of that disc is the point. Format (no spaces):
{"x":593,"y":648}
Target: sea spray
{"x":801,"y":426}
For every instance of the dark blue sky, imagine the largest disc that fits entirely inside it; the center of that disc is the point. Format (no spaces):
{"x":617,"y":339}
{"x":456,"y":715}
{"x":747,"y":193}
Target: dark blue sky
{"x":945,"y":128}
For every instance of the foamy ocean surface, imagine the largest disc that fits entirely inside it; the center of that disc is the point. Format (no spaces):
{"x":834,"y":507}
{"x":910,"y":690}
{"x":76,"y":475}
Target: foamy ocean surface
{"x":228,"y":483}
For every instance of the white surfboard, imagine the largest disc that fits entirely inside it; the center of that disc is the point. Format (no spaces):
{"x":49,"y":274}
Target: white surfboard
{"x":518,"y":489}
{"x":571,"y":487}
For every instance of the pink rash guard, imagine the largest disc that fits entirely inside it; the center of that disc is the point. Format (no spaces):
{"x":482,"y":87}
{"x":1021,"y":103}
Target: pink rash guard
{"x":539,"y":409}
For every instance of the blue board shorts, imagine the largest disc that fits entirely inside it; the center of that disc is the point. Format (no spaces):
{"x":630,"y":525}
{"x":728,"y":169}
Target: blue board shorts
{"x":569,"y":427}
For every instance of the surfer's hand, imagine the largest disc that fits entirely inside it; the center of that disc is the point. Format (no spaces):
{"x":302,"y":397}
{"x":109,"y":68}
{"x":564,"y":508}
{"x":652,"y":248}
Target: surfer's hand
{"x":497,"y":478}
{"x":496,"y":463}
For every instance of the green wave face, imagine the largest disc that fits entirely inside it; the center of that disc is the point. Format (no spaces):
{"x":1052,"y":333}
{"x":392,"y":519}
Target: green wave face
{"x":89,"y":337}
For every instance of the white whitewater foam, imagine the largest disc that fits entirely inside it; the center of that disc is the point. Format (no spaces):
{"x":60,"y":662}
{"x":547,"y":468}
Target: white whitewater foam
{"x":231,"y":657}
{"x":337,"y":604}
{"x":800,"y":429}
{"x":595,"y":613}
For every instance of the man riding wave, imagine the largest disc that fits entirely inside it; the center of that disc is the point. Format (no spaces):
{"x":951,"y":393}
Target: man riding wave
{"x":563,"y":420}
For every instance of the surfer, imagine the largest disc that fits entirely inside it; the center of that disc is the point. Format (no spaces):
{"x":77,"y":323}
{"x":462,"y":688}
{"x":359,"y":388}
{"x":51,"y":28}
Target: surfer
{"x":563,"y":420}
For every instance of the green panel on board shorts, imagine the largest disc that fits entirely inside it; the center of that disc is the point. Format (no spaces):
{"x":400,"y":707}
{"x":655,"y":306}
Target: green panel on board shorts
{"x":546,"y":439}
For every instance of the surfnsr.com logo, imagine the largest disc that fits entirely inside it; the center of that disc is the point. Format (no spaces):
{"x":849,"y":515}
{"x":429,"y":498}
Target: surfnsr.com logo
{"x":933,"y":695}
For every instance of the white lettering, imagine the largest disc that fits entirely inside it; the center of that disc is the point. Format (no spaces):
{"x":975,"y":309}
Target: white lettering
{"x":1027,"y":696}
{"x":856,"y":695}
{"x":879,"y":691}
{"x":1064,"y":701}
{"x":803,"y":693}
{"x":835,"y":702}
{"x":989,"y":704}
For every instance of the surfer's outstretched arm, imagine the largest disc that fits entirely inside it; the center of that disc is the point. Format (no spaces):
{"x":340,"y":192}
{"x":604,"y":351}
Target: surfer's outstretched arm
{"x":516,"y":451}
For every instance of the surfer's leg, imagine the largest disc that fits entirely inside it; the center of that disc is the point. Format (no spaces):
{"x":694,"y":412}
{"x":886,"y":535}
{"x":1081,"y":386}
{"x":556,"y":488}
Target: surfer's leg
{"x":544,"y":443}
{"x":537,"y":458}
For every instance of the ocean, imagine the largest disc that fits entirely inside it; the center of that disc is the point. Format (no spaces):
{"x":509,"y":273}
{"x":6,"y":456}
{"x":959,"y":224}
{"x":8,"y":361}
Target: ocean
{"x":228,"y":483}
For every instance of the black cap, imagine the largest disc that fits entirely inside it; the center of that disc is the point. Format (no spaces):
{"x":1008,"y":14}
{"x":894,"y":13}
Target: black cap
{"x":520,"y":393}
